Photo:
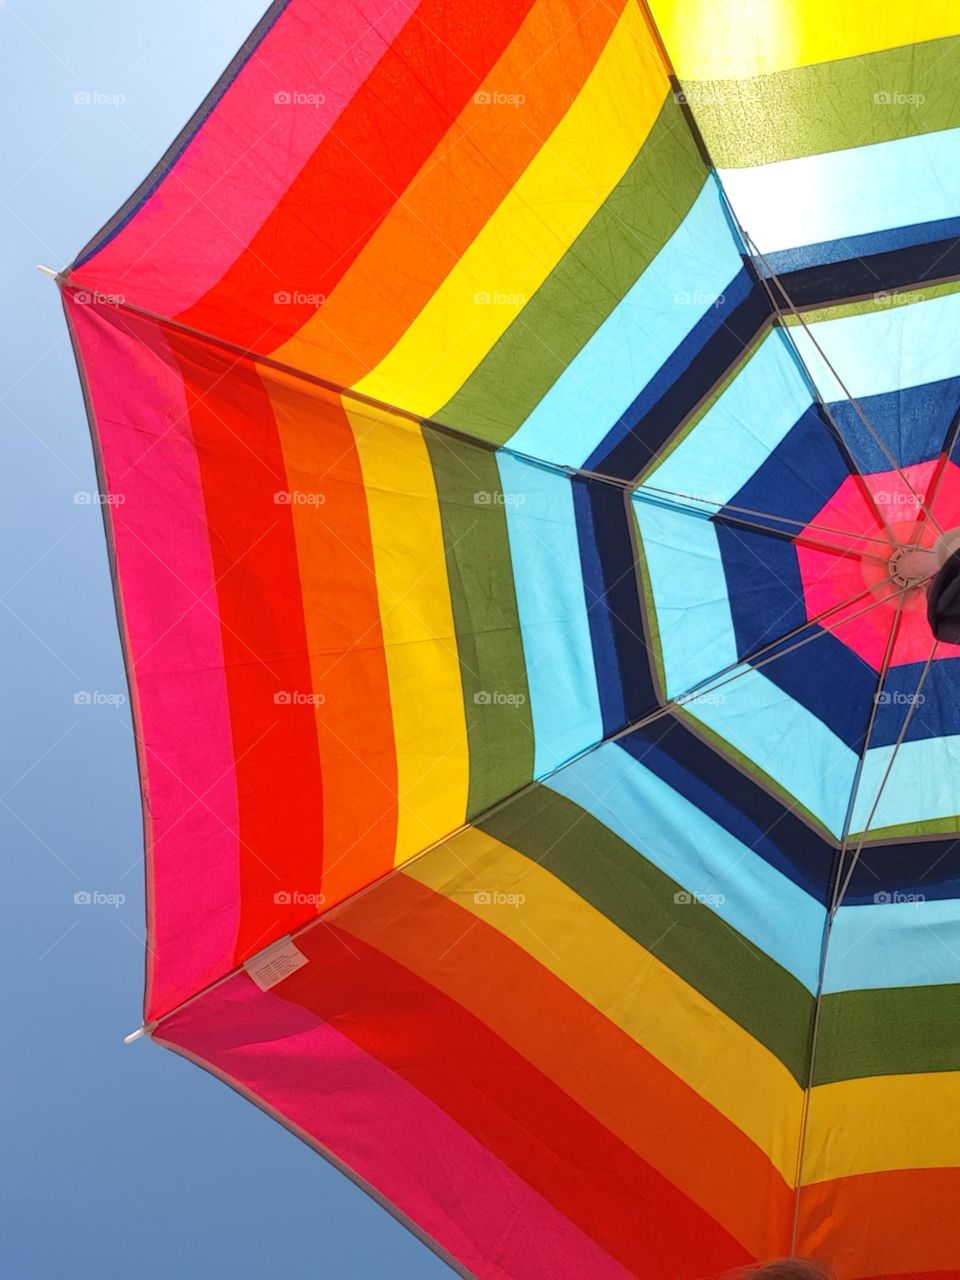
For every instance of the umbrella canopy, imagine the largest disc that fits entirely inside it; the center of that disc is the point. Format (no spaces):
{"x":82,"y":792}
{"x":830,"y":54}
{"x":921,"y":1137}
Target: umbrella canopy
{"x":527,"y":437}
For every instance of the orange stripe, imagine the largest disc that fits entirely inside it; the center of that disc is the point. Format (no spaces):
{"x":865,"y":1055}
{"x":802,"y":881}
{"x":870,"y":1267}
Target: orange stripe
{"x":611,"y":1076}
{"x":456,"y":191}
{"x":902,"y":1222}
{"x":344,"y":637}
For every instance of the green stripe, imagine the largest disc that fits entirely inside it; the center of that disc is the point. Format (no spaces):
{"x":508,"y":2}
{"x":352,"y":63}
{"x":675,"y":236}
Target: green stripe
{"x":883,"y":300}
{"x":832,"y":106}
{"x":487,"y":622}
{"x":594,"y":275}
{"x":724,"y":966}
{"x":891,"y":1031}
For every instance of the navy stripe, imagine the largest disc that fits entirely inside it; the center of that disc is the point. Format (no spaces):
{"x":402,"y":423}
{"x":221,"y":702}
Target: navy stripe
{"x":799,"y":476}
{"x":645,"y":428}
{"x":915,"y":424}
{"x":871,"y":273}
{"x":877,"y":260}
{"x":622,"y":661}
{"x":720,"y":790}
{"x":927,"y":867}
{"x":675,"y":366}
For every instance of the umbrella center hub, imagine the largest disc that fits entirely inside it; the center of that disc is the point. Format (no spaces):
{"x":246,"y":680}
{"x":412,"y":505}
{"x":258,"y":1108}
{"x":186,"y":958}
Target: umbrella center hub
{"x":912,"y":566}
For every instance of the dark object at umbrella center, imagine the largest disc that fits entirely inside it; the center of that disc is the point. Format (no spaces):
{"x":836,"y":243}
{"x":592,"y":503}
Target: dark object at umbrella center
{"x":943,"y":601}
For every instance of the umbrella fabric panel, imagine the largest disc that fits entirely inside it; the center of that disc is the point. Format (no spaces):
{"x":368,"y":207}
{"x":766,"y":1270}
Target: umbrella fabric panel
{"x":549,"y":987}
{"x":346,"y":632}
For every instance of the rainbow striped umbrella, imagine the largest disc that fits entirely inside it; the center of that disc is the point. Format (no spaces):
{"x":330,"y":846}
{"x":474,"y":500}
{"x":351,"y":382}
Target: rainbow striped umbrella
{"x":527,"y":434}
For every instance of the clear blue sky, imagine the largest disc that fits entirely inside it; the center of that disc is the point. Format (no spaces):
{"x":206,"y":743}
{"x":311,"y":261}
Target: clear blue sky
{"x":116,"y":1161}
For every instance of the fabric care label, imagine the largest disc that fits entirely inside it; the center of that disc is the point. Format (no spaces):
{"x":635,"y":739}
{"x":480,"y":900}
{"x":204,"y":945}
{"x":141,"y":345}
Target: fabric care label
{"x":275,"y":963}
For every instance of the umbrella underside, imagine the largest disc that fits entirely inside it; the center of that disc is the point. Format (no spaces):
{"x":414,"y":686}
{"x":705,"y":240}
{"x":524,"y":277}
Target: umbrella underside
{"x":528,"y":441}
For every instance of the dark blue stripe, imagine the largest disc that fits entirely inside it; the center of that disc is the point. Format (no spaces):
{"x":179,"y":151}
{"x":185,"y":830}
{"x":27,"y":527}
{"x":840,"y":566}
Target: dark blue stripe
{"x":622,"y":661}
{"x":712,"y":347}
{"x":927,"y":867}
{"x":798,"y":477}
{"x":914,"y":423}
{"x":730,"y":798}
{"x":875,"y":244}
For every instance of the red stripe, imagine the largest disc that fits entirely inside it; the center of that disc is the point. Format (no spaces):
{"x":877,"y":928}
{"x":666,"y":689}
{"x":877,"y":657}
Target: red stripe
{"x":384,"y":136}
{"x":514,"y":1110}
{"x":655,"y":1112}
{"x":264,"y":642}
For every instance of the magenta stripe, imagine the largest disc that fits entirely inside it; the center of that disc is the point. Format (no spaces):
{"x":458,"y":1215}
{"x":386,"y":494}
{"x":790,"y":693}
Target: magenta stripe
{"x":206,"y":212}
{"x":391,"y":1135}
{"x":174,"y":646}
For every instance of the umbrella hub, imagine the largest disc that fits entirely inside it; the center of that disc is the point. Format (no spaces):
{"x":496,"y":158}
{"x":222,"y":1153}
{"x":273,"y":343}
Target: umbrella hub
{"x":911,"y":566}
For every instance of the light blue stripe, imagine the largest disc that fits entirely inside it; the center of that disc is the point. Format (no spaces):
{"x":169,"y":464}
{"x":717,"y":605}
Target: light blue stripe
{"x":894,"y":944}
{"x":685,"y":572}
{"x":739,"y":431}
{"x":785,"y":740}
{"x":924,"y":784}
{"x":541,"y":526}
{"x":848,"y":193}
{"x":700,"y":855}
{"x":882,"y":351}
{"x":677,"y":289}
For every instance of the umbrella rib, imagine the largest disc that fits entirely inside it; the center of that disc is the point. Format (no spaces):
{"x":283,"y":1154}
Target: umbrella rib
{"x":949,"y":444}
{"x":736,"y":670}
{"x":840,"y":889}
{"x":467,"y":437}
{"x":914,"y":703}
{"x":326,"y":916}
{"x":642,"y":490}
{"x":828,"y":922}
{"x":858,"y":408}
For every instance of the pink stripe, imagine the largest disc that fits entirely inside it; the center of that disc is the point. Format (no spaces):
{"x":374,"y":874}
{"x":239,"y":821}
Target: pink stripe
{"x":208,"y":209}
{"x":174,"y":646}
{"x":388,"y":1133}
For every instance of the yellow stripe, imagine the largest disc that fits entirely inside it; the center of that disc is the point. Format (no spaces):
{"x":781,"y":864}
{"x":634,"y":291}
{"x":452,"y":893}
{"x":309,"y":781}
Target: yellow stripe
{"x":627,"y":984}
{"x":557,"y":195}
{"x":416,"y":615}
{"x":735,"y":39}
{"x":883,"y":1122}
